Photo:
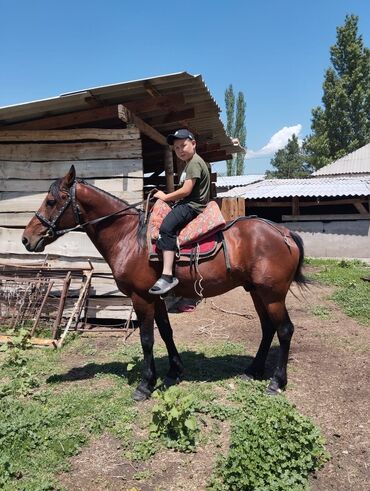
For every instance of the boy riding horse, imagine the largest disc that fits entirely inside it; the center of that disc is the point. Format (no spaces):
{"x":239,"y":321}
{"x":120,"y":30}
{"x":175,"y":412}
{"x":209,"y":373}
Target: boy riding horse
{"x":191,"y":199}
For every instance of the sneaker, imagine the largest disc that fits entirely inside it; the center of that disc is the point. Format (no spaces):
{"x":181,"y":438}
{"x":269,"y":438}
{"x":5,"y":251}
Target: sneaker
{"x":163,"y":286}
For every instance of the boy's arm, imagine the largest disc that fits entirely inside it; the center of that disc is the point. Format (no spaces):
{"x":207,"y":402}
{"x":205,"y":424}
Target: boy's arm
{"x":180,"y":193}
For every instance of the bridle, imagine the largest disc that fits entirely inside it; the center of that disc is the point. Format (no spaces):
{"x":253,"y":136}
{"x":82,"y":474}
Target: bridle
{"x":52,"y":231}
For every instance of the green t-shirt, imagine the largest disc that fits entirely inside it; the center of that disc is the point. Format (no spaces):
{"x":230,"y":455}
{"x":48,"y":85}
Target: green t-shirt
{"x":197,"y":169}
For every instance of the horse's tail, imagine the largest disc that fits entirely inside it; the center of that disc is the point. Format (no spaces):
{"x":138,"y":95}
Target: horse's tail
{"x":299,"y":277}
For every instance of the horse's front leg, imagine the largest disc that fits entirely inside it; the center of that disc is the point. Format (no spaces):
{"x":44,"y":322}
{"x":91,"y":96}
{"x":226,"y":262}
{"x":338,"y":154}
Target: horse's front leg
{"x":144,"y":309}
{"x":176,"y":369}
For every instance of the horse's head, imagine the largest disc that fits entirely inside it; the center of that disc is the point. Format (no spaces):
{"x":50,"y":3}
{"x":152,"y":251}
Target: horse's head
{"x":56,"y":213}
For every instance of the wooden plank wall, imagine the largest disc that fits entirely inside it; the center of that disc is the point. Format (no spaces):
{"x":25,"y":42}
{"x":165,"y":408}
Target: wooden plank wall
{"x":30,"y":160}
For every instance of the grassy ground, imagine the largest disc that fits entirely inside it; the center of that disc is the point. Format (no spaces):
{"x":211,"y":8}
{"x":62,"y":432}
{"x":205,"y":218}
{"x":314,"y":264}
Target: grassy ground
{"x":54,"y":403}
{"x":47,"y":418}
{"x":352,"y":293}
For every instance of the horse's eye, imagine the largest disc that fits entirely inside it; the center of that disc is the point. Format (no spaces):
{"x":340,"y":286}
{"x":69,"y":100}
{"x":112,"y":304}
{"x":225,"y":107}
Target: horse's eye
{"x":51,"y":202}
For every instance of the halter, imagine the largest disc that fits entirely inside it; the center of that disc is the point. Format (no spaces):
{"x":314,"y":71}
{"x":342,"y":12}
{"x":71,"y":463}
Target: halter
{"x":52,"y":231}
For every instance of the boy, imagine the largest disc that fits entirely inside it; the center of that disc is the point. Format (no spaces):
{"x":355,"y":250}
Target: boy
{"x":191,"y":199}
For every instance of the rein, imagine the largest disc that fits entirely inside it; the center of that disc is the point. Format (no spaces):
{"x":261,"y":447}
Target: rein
{"x":52,"y":231}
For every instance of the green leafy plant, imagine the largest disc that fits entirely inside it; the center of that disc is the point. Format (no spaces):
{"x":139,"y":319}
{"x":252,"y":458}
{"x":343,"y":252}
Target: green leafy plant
{"x":351,"y":292}
{"x":173,"y":419}
{"x":273,"y":447}
{"x":321,"y":312}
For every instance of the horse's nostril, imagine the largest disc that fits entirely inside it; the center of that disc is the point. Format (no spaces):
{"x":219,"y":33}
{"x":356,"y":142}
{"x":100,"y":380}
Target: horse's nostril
{"x":24,"y":241}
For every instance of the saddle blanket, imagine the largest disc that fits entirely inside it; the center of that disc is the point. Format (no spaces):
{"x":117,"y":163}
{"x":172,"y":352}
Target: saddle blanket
{"x":188,"y":253}
{"x":210,"y":220}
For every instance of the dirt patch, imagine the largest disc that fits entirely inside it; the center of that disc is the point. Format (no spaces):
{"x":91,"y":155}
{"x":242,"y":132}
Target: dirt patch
{"x":328,"y":381}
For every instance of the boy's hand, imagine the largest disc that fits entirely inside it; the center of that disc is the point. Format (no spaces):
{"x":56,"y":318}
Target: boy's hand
{"x":160,"y":195}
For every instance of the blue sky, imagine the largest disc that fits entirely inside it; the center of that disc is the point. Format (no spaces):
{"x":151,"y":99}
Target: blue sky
{"x":275,"y":52}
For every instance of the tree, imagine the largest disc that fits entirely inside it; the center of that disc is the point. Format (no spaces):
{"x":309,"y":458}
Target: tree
{"x":235,"y":128}
{"x":230,"y":107}
{"x":342,"y":125}
{"x":289,"y":162}
{"x":240,"y":133}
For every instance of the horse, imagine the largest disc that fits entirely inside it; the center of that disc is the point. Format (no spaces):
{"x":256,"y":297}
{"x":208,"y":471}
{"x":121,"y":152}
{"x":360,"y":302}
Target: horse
{"x":264,"y":258}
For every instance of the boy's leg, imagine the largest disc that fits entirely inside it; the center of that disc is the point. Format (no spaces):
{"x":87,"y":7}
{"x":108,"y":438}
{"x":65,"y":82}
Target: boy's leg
{"x":180,"y":216}
{"x":168,"y":260}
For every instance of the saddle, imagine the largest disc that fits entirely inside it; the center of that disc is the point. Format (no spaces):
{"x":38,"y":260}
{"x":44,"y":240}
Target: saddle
{"x":198,"y":240}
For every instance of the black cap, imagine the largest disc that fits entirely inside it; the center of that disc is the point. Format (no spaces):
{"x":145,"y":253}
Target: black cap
{"x":182,"y":134}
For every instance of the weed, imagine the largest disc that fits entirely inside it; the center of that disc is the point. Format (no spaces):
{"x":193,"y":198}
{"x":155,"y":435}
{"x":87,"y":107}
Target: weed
{"x":351,"y":292}
{"x":174,"y":420}
{"x":272,"y":445}
{"x":320,"y":311}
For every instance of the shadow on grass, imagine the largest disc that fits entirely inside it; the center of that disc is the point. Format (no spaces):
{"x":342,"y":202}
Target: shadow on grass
{"x":198,"y":368}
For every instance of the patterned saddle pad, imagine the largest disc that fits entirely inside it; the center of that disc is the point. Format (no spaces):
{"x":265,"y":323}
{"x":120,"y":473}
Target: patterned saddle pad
{"x":207,"y":222}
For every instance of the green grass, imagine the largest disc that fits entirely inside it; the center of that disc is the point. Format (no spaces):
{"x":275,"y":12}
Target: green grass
{"x":45,"y":422}
{"x":352,"y":294}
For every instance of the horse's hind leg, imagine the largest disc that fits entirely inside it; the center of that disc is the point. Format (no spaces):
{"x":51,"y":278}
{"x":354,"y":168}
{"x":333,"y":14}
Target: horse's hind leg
{"x":257,"y":367}
{"x":274,"y":318}
{"x":284,"y":327}
{"x":176,"y":369}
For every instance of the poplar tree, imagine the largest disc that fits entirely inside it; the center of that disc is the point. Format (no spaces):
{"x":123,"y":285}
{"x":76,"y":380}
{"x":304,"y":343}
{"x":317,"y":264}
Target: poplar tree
{"x":235,"y":128}
{"x":342,"y":125}
{"x":230,"y":109}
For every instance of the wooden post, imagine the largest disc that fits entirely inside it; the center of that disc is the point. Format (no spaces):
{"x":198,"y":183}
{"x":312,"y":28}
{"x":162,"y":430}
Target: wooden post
{"x":295,"y":206}
{"x":62,"y":302}
{"x":168,"y":168}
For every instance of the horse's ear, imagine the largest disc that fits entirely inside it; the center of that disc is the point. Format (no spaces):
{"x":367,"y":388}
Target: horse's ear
{"x":69,"y":178}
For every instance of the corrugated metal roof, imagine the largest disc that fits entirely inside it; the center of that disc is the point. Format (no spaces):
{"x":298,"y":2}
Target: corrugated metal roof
{"x":206,"y":123}
{"x":234,"y":181}
{"x":318,"y":187}
{"x":357,"y":162}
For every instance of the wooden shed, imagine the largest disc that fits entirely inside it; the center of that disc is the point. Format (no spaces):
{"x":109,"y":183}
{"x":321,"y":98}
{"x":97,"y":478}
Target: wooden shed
{"x":115,"y":137}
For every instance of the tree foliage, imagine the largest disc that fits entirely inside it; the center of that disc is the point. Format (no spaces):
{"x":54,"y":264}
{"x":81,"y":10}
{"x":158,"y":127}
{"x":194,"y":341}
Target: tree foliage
{"x":235,"y":127}
{"x":342,"y":125}
{"x":289,"y":162}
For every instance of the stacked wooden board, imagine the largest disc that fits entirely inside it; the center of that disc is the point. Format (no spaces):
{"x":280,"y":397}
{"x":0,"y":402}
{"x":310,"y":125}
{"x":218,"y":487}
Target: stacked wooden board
{"x":30,"y":160}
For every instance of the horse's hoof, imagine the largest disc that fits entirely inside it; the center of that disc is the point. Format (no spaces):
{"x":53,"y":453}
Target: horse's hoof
{"x":247,"y":377}
{"x":141,"y":394}
{"x":170,"y":381}
{"x":273,"y":389}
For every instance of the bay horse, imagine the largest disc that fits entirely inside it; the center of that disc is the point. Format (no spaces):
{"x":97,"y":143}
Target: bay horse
{"x":264,"y":259}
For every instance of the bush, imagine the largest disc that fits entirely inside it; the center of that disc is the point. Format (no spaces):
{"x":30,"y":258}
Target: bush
{"x":273,"y":447}
{"x":174,"y":421}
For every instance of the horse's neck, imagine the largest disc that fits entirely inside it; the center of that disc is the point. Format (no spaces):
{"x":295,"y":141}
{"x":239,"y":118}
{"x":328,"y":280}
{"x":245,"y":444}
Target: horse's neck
{"x":105,"y":235}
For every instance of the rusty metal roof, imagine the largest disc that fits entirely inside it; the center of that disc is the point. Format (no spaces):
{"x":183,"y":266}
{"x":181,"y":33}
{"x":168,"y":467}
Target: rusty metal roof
{"x":315,"y":188}
{"x":205,"y":121}
{"x":357,"y":162}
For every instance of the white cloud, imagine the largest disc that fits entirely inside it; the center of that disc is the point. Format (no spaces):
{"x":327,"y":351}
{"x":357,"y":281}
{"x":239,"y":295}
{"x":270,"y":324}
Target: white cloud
{"x":276,"y":142}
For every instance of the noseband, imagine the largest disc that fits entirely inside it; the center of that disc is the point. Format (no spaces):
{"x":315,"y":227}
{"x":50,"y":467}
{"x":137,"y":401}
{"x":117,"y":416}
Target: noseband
{"x":53,"y":232}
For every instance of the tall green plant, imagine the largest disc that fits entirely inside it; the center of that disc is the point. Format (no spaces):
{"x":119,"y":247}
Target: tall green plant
{"x":342,"y":125}
{"x":235,"y":128}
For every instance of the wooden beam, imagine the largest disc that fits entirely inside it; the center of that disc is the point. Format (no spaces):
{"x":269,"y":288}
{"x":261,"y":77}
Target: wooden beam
{"x":172,"y":117}
{"x":69,"y":135}
{"x":128,"y":117}
{"x":70,"y":151}
{"x":332,"y":217}
{"x":295,"y":205}
{"x":92,"y":115}
{"x":360,"y":208}
{"x":68,"y":120}
{"x":168,"y":168}
{"x":84,"y":169}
